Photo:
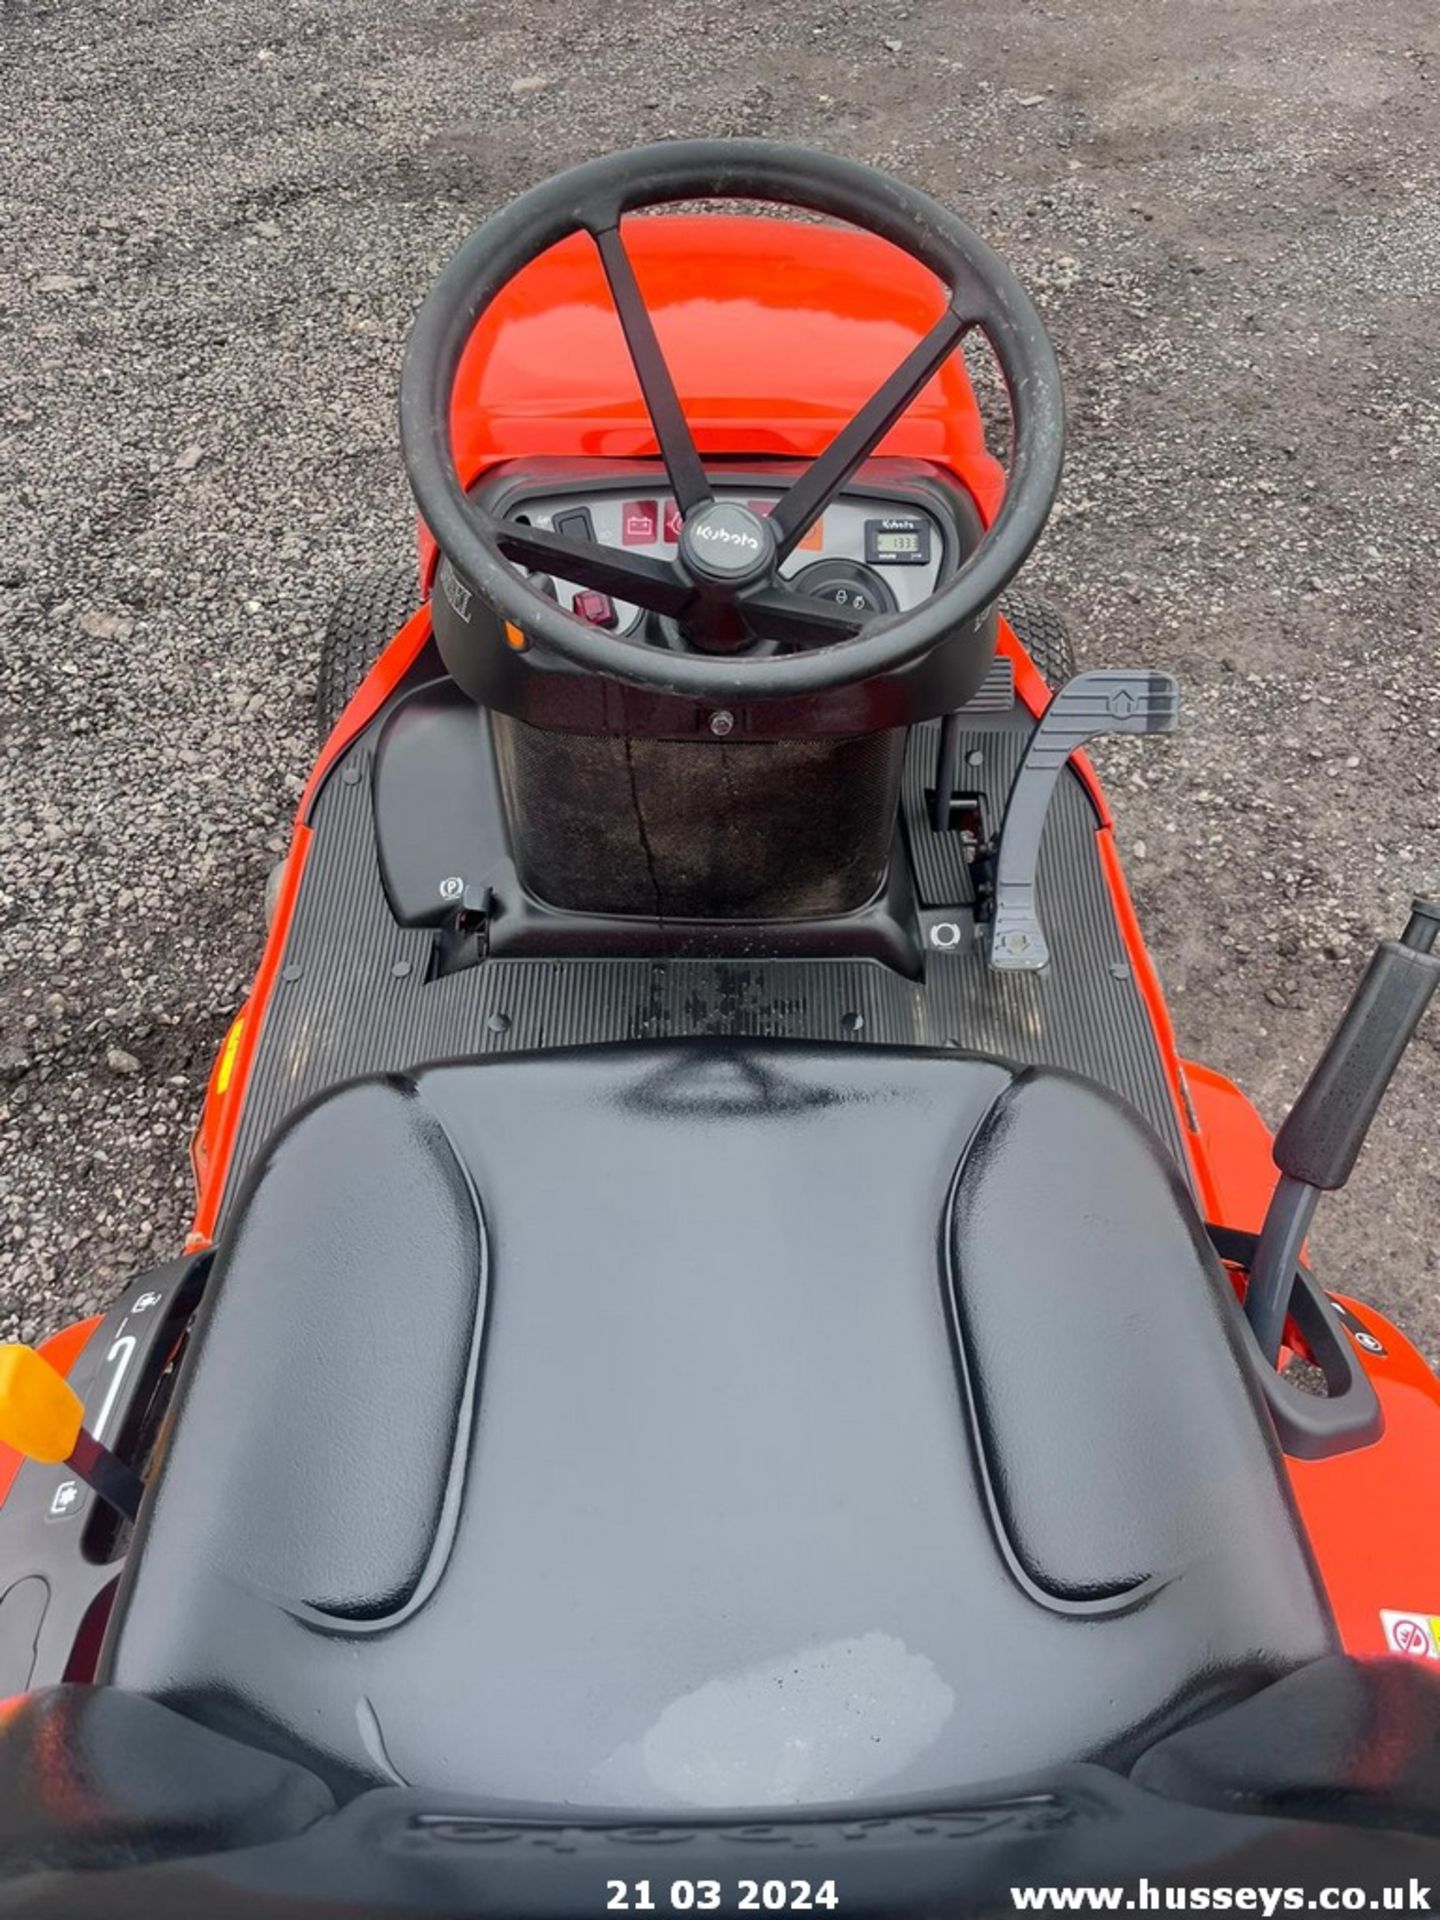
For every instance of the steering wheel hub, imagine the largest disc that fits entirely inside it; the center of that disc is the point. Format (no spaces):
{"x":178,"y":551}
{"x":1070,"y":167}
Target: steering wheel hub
{"x":726,"y":542}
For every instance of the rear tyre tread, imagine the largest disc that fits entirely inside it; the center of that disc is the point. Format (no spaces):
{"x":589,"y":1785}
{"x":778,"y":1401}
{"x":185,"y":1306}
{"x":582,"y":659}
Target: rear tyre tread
{"x":1044,"y":636}
{"x":368,"y":612}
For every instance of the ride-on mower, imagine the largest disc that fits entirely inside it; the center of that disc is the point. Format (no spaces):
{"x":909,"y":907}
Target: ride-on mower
{"x":724,"y":1361}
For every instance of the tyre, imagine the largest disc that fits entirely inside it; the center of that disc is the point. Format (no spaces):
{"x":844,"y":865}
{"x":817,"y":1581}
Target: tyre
{"x":369,"y":611}
{"x":1043,"y":634}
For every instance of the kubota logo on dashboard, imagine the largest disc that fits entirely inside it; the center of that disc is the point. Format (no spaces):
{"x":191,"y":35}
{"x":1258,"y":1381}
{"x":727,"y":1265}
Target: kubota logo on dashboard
{"x":731,"y":536}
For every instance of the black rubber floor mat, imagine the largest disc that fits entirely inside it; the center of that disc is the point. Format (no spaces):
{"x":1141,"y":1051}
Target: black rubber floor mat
{"x":353,"y":998}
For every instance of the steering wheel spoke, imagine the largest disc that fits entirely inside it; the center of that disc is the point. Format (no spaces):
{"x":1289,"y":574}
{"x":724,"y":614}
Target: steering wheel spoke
{"x":653,"y":584}
{"x":662,"y":402}
{"x":779,"y":613}
{"x":817,"y":486}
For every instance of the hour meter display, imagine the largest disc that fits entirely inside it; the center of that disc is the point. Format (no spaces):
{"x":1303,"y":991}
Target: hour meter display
{"x":896,"y":542}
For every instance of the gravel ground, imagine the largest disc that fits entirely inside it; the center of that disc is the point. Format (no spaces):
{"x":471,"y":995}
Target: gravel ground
{"x":218,"y":221}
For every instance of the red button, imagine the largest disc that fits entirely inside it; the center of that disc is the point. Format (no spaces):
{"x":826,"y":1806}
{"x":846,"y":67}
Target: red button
{"x":762,"y":507}
{"x":640,"y":523}
{"x":674,"y":520}
{"x":596,"y":609}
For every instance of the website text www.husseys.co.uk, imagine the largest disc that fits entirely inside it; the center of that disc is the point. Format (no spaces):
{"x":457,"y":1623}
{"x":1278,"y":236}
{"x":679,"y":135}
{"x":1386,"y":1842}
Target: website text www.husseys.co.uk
{"x":1413,"y":1897}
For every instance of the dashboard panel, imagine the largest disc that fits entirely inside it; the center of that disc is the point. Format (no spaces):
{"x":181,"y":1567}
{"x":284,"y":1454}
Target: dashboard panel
{"x":899,"y":530}
{"x":874,"y":550}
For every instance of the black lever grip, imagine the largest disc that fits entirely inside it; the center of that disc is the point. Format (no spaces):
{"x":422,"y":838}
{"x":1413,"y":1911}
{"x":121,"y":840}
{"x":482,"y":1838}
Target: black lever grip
{"x":1324,"y":1131}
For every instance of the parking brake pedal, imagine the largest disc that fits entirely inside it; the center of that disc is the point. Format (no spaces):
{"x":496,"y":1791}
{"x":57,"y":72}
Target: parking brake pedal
{"x":1109,"y":700}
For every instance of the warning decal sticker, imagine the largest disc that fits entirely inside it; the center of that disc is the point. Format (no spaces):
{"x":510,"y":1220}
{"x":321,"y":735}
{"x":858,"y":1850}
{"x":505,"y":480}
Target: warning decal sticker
{"x":1415,"y":1634}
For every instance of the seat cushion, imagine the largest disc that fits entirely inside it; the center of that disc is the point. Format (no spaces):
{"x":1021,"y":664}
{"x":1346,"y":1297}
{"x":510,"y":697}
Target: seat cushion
{"x":1065,"y":1220}
{"x":327,"y":1455}
{"x":789,"y":1426}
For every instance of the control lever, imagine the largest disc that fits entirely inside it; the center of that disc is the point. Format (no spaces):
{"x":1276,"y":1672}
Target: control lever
{"x":43,"y":1418}
{"x":1320,"y":1140}
{"x":463,"y":937}
{"x":1106,"y":700}
{"x":947,"y":770}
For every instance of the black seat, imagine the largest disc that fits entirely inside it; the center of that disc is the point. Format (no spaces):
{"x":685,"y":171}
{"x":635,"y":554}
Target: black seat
{"x":714,"y":1425}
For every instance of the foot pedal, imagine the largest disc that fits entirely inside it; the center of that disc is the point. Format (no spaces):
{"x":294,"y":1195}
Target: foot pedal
{"x":1110,"y":700}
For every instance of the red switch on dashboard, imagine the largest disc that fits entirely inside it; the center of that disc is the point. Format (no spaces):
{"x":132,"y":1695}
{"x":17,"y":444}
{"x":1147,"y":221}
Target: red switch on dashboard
{"x":596,"y":609}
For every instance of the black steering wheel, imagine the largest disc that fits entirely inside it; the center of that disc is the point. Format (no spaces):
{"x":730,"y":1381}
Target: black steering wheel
{"x":724,"y":583}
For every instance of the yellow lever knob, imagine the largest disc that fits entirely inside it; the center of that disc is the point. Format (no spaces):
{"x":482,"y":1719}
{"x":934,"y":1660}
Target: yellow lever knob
{"x":40,"y":1412}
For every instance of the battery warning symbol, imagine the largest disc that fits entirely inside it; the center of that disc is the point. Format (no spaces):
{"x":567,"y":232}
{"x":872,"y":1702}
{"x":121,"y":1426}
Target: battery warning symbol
{"x":640,"y":523}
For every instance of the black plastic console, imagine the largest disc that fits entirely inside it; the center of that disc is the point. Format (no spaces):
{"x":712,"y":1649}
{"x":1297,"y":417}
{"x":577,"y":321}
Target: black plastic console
{"x":534,"y":687}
